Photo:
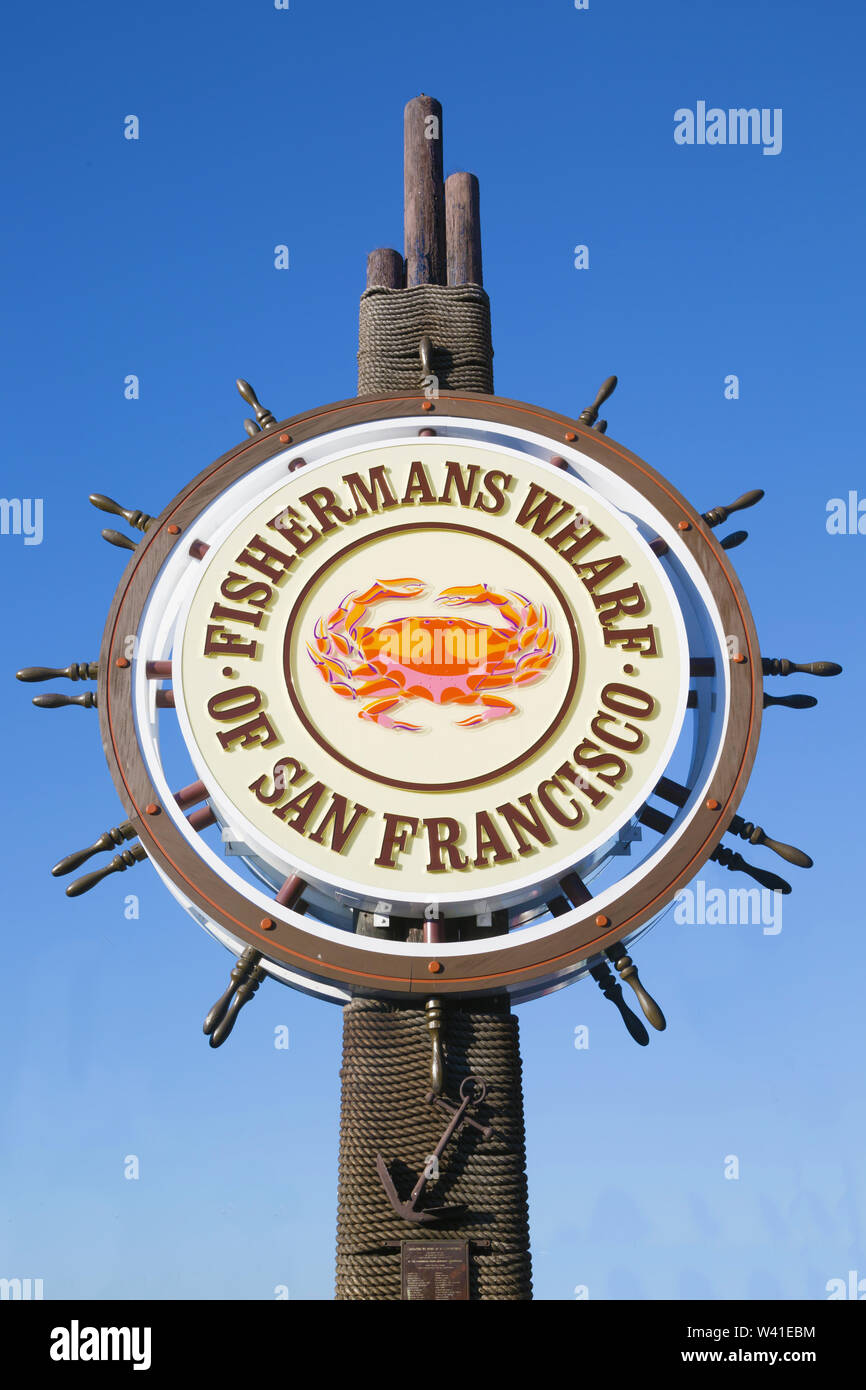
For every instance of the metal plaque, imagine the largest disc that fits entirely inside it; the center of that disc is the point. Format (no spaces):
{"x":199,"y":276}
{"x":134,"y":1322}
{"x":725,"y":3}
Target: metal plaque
{"x":437,"y":1269}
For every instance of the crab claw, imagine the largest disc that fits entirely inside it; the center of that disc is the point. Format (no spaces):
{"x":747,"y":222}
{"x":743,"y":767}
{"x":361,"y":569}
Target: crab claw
{"x":356,"y":605}
{"x":463,"y":593}
{"x":398,"y":588}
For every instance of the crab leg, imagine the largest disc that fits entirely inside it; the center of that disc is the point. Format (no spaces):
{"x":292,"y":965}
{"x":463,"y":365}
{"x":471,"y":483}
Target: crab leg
{"x":372,"y":687}
{"x":377,"y":712}
{"x":495,"y":707}
{"x":334,"y":672}
{"x":493,"y":680}
{"x":331,"y":640}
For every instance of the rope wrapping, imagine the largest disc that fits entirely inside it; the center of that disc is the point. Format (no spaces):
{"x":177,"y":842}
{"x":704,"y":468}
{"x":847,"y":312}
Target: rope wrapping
{"x":385,"y":1079}
{"x":456,"y":318}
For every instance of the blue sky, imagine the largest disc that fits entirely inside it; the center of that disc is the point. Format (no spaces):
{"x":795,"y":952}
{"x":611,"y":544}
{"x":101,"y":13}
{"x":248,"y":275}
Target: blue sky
{"x":155,"y":257}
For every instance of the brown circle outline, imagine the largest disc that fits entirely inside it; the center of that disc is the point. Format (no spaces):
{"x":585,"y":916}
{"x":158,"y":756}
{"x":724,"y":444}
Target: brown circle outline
{"x":469,"y":781}
{"x":525,"y":965}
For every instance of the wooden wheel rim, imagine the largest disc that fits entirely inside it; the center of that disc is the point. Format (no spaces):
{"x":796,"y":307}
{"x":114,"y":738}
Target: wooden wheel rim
{"x":337,"y":963}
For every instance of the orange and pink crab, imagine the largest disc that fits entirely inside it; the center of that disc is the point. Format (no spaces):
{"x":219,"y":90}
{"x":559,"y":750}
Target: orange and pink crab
{"x":445,"y":660}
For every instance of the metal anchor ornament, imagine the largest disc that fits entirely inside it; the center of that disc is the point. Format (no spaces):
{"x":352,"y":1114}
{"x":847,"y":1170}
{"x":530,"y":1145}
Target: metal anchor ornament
{"x":472,"y":1093}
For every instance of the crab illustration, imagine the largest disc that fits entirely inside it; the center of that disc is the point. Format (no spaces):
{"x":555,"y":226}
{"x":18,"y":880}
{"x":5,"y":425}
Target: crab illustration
{"x":445,"y":660}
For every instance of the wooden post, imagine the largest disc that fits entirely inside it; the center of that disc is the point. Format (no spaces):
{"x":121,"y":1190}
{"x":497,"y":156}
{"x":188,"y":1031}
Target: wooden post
{"x":385,"y":269}
{"x":463,"y":230}
{"x":423,"y":193}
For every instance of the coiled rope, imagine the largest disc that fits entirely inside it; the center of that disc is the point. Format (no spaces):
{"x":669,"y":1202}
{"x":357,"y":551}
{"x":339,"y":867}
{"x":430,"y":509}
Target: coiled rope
{"x":386,"y":1076}
{"x":456,"y":318}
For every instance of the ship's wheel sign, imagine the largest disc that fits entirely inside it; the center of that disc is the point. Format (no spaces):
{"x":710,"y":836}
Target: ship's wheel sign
{"x":354,"y":728}
{"x":464,"y":661}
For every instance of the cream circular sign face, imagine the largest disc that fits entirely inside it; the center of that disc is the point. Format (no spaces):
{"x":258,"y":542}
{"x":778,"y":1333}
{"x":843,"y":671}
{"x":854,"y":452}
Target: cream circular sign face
{"x":432,"y":671}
